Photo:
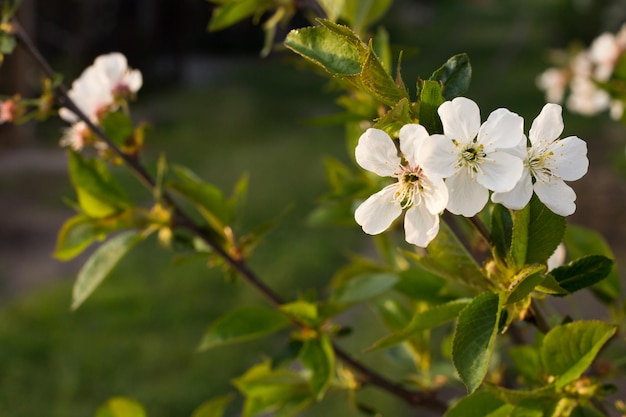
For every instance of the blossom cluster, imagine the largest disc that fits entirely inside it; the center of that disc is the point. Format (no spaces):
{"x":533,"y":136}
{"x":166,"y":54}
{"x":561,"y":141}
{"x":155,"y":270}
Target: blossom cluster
{"x":458,"y":169}
{"x":586,"y":76}
{"x":102,"y":87}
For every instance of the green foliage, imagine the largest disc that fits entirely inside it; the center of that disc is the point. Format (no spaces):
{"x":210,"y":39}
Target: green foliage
{"x":317,"y":355}
{"x":568,"y":350}
{"x":121,"y":407}
{"x":430,"y":99}
{"x":100,"y":264}
{"x":545,"y":232}
{"x":455,"y":76}
{"x":477,"y":404}
{"x":583,"y":272}
{"x":214,"y":407}
{"x":243,"y":324}
{"x":474,"y":338}
{"x":363,"y":287}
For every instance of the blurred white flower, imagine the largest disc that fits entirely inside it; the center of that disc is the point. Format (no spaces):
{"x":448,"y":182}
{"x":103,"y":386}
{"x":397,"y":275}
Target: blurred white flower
{"x":554,"y":82}
{"x":422,"y":195}
{"x":548,"y":163}
{"x":472,"y":157}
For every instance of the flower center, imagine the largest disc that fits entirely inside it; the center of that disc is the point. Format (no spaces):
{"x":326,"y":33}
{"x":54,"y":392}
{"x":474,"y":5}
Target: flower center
{"x":411,"y":182}
{"x":538,"y":166}
{"x":471,"y":157}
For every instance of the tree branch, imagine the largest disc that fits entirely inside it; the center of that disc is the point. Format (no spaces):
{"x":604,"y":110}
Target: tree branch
{"x":181,"y":219}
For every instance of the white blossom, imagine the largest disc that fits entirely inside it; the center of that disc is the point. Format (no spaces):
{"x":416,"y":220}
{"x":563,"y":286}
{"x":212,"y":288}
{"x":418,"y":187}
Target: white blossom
{"x":422,"y":195}
{"x":472,"y":157}
{"x":548,"y":162}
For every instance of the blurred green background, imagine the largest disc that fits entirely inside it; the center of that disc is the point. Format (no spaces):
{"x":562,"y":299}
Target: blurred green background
{"x":225,"y":112}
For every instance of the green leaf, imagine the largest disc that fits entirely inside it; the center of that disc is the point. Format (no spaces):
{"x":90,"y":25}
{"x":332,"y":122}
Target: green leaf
{"x":525,"y":282}
{"x":361,"y":13}
{"x":214,"y":407}
{"x":100,"y":263}
{"x":378,"y":82}
{"x":501,"y":231}
{"x":99,"y":194}
{"x":117,"y":126}
{"x":580,"y":242}
{"x":243,"y":324}
{"x":303,"y":311}
{"x":207,"y":198}
{"x":527,"y":362}
{"x":76,"y":234}
{"x":318,"y":356}
{"x":430,"y":100}
{"x":336,"y":54}
{"x":583,"y":272}
{"x":519,"y":238}
{"x":586,"y":411}
{"x":545,"y":232}
{"x":121,"y":407}
{"x":363,"y":287}
{"x":234,"y":11}
{"x":568,"y":350}
{"x":448,"y":259}
{"x":394,"y":119}
{"x":424,"y":320}
{"x":421,"y":285}
{"x":477,"y":404}
{"x":455,"y":75}
{"x":280,"y":391}
{"x":332,"y":8}
{"x":474,"y":339}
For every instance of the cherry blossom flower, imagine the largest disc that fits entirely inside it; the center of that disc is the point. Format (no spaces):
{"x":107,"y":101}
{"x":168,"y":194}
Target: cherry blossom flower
{"x":472,"y":157}
{"x":547,"y":164}
{"x":8,"y":110}
{"x":99,"y":89}
{"x":422,"y":195}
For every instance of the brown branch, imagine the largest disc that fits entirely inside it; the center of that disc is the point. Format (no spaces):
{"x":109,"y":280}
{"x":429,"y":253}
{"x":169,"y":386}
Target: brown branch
{"x":181,"y":219}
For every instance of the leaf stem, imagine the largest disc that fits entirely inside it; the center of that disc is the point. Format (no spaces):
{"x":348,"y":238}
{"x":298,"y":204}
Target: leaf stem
{"x":181,"y":219}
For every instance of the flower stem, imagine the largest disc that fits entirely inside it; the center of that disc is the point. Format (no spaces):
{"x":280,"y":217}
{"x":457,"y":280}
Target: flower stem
{"x":181,"y":219}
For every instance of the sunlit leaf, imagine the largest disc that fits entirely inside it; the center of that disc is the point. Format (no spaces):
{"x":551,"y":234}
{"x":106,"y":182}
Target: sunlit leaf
{"x":214,"y":407}
{"x":243,"y":324}
{"x":430,"y":100}
{"x":121,"y":407}
{"x":363,"y":287}
{"x":100,"y":264}
{"x":545,"y":232}
{"x":318,"y":356}
{"x":568,"y":350}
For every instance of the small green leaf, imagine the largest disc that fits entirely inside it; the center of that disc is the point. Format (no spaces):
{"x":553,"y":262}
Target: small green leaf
{"x":424,"y":320}
{"x":545,"y":232}
{"x":583,"y":272}
{"x":581,"y":242}
{"x":477,"y":404}
{"x":243,"y":324}
{"x":332,"y":8}
{"x":100,"y":264}
{"x":568,"y":350}
{"x":121,"y":407}
{"x":280,"y":391}
{"x":474,"y":339}
{"x":501,"y":231}
{"x":303,"y":311}
{"x":525,"y":282}
{"x":99,"y":194}
{"x":235,"y":11}
{"x":207,"y":198}
{"x":394,"y":119}
{"x":455,"y":75}
{"x":117,"y":126}
{"x":363,"y":287}
{"x":214,"y":407}
{"x":327,"y":49}
{"x":519,"y":238}
{"x":448,"y":258}
{"x":586,"y":411}
{"x":378,"y":82}
{"x":318,"y":356}
{"x":421,"y":285}
{"x":76,"y":234}
{"x":430,"y":100}
{"x":361,"y":13}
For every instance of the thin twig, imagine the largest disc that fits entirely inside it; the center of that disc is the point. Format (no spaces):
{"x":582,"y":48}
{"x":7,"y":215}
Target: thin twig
{"x":413,"y":398}
{"x":538,"y":319}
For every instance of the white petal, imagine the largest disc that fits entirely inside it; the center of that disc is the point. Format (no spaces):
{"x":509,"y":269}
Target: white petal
{"x":438,"y":156}
{"x":503,"y":129}
{"x":133,"y":80}
{"x":557,"y":196}
{"x":547,"y":126}
{"x":435,"y":195}
{"x":420,"y":226}
{"x":557,"y":258}
{"x":376,"y":214}
{"x":500,"y":171}
{"x":377,"y":153}
{"x":460,"y":119}
{"x":112,"y":65}
{"x":570,"y":158}
{"x":412,"y":137}
{"x":467,"y":197}
{"x":519,"y":196}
